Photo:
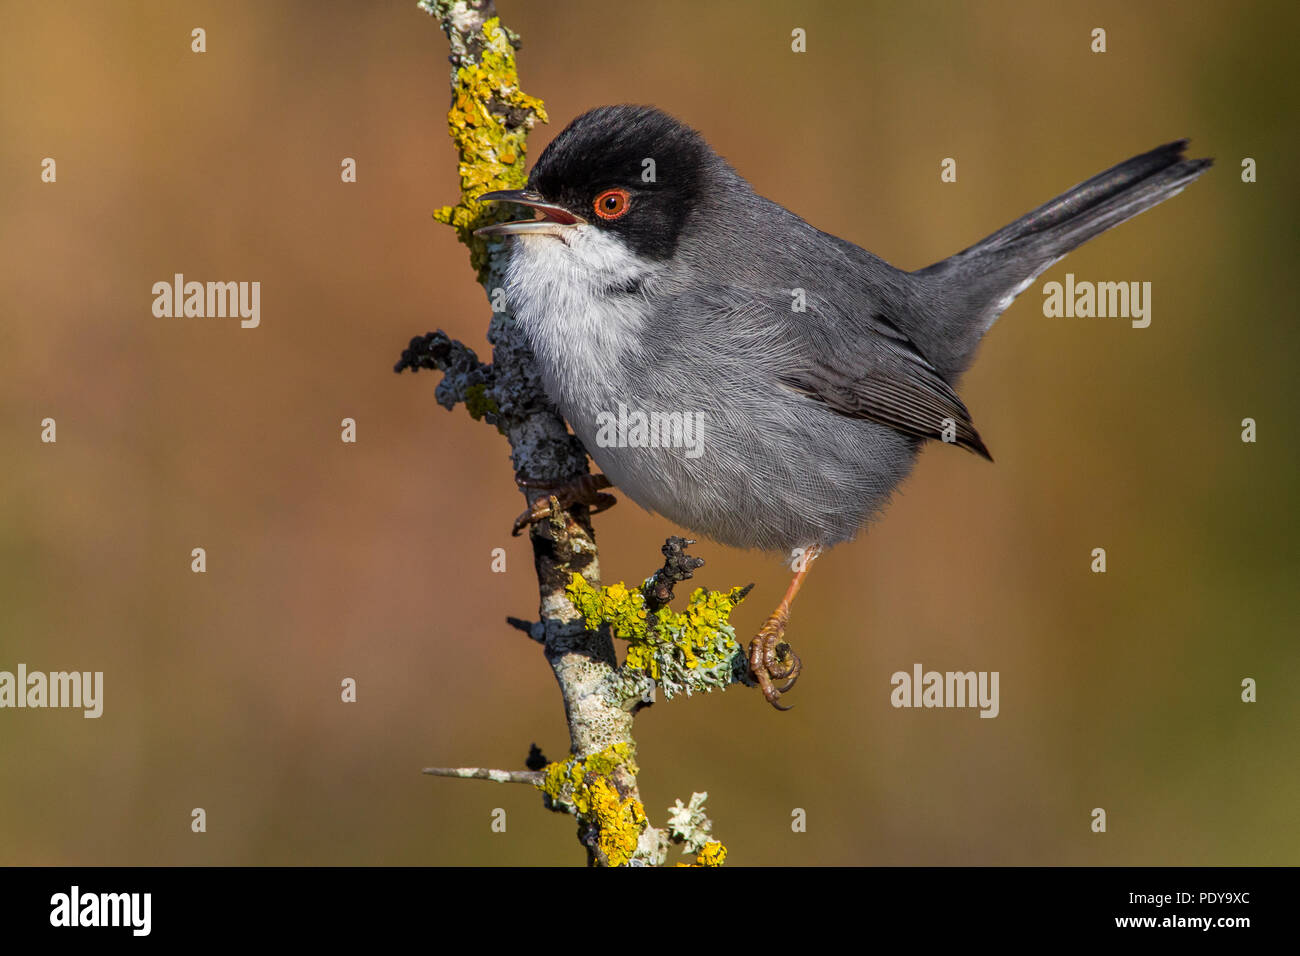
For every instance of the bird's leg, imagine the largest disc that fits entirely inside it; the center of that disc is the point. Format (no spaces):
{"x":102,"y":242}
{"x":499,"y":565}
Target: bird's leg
{"x":580,"y":489}
{"x":770,"y":657}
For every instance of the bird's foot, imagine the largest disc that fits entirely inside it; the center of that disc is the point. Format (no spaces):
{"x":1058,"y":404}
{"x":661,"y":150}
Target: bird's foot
{"x":772,"y":659}
{"x":581,"y":489}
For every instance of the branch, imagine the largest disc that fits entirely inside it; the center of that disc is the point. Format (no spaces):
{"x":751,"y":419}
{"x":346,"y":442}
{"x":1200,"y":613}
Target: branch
{"x":533,"y":777}
{"x":489,"y":121}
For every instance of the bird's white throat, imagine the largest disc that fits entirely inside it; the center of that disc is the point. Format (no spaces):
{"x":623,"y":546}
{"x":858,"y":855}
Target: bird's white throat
{"x":581,"y":301}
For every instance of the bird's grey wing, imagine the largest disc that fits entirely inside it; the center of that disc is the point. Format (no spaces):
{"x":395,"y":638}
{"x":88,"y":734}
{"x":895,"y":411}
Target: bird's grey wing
{"x":843,"y":349}
{"x":893,"y":384}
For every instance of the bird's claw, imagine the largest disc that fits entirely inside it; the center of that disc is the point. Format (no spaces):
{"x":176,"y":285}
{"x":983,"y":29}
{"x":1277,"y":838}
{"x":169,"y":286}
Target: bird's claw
{"x":772,"y":659}
{"x":581,"y":489}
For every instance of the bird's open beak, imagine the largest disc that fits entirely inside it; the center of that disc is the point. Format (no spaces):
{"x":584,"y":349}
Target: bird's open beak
{"x":553,"y":219}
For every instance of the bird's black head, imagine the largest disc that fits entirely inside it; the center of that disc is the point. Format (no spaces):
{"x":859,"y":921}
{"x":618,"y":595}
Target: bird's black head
{"x":633,"y":171}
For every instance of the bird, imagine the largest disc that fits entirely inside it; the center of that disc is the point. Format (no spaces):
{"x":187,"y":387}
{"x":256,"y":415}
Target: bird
{"x":660,"y":294}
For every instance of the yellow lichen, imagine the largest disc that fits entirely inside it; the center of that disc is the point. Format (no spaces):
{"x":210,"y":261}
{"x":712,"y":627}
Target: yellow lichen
{"x":689,"y":650}
{"x":712,"y":853}
{"x":620,"y":822}
{"x":569,"y":781}
{"x":622,"y":609}
{"x":585,"y":786}
{"x":489,"y":120}
{"x":697,"y":627}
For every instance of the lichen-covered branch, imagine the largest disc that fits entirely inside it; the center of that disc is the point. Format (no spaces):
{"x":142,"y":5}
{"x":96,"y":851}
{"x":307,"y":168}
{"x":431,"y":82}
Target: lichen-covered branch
{"x":693,"y":651}
{"x":489,"y":120}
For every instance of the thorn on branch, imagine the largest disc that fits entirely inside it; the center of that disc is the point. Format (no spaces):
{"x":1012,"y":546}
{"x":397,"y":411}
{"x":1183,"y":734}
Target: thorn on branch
{"x":534,"y":629}
{"x":536,"y":759}
{"x":533,"y":777}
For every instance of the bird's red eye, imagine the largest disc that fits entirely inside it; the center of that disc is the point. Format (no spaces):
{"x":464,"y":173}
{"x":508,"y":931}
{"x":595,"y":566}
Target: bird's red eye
{"x":612,"y":203}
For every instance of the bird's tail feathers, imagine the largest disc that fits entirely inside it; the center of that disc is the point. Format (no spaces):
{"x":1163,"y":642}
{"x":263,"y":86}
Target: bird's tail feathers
{"x":990,"y":274}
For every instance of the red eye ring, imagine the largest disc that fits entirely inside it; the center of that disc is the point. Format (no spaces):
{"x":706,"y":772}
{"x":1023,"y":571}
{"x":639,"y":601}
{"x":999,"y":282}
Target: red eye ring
{"x":612,"y":203}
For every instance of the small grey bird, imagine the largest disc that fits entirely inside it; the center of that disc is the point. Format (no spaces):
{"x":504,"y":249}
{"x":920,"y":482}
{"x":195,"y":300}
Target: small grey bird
{"x":662,"y":296}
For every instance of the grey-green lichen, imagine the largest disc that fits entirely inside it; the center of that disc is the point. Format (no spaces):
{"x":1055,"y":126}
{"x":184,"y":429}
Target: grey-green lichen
{"x":681,"y":652}
{"x":688,"y":825}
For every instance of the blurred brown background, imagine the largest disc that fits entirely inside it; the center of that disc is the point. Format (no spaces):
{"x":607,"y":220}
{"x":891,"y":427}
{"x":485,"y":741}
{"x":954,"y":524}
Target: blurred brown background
{"x":372,"y":560}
